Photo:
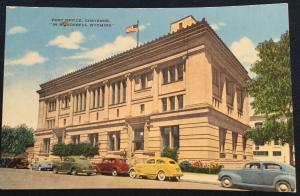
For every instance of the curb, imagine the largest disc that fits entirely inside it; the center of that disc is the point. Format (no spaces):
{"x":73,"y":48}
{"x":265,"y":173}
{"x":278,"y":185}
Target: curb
{"x":199,"y":181}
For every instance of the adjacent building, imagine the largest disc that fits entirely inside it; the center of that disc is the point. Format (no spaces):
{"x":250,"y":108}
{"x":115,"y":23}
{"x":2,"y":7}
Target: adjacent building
{"x":273,"y":151}
{"x":184,"y":90}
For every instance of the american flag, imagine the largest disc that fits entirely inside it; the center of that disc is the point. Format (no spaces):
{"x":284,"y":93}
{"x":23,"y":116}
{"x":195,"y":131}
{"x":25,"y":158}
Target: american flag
{"x":132,"y":28}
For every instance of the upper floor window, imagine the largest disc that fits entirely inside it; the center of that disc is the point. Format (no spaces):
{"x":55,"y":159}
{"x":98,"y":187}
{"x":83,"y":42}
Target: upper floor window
{"x":50,"y":123}
{"x":240,"y":99}
{"x":52,"y":106}
{"x":172,"y":73}
{"x":164,"y":104}
{"x":143,"y":81}
{"x":180,"y":101}
{"x":97,"y":95}
{"x":229,"y":92}
{"x":65,"y":102}
{"x":118,"y":92}
{"x":80,"y":102}
{"x":216,"y":77}
{"x":171,"y":104}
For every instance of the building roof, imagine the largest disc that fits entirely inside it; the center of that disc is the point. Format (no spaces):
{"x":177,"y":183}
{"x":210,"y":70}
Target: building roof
{"x":70,"y":80}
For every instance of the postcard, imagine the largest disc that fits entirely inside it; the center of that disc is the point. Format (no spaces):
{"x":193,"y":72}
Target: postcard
{"x":152,"y":98}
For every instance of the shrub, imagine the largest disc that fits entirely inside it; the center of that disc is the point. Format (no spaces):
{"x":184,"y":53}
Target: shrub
{"x":85,"y":149}
{"x":170,"y":153}
{"x":199,"y":167}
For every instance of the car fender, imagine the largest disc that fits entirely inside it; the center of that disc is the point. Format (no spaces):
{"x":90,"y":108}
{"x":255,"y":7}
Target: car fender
{"x":288,"y":178}
{"x":236,"y":179}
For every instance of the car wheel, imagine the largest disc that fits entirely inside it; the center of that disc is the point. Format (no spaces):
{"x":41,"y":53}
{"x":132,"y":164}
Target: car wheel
{"x":55,"y":171}
{"x":114,"y":172}
{"x":132,"y":174}
{"x":74,"y":172}
{"x":226,"y":182}
{"x":283,"y":186}
{"x":161,"y":176}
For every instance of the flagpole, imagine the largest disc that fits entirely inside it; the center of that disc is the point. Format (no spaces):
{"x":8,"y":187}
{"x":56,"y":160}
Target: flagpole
{"x":137,"y":34}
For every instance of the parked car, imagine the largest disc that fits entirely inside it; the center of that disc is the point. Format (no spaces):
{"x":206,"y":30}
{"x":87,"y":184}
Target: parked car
{"x":113,"y":166}
{"x":158,"y":167}
{"x":4,"y":162}
{"x":74,"y":165}
{"x":264,"y":174}
{"x":18,"y":163}
{"x":42,"y":166}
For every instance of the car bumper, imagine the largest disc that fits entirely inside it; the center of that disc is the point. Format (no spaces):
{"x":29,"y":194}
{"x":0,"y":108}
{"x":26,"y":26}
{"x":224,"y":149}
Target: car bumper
{"x":88,"y":171}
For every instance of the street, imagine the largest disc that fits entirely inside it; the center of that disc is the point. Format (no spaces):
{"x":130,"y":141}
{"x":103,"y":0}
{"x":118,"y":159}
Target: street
{"x":28,"y":179}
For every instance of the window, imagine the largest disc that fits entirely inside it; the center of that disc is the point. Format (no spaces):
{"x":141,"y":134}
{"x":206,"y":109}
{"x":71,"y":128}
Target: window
{"x":80,"y":102}
{"x":59,"y":139}
{"x":229,"y":90}
{"x":272,"y":167}
{"x":164,"y":104}
{"x":65,"y":121}
{"x":240,"y":99}
{"x":75,"y":139}
{"x":159,"y":161}
{"x":142,"y":108}
{"x":170,"y":137}
{"x":118,"y":92}
{"x":46,"y":145}
{"x":149,"y":79}
{"x":139,"y":139}
{"x":276,"y":153}
{"x":216,"y":77}
{"x":65,"y":102}
{"x":143,"y":81}
{"x":222,"y":139}
{"x":234,"y":142}
{"x":52,"y":106}
{"x":180,"y":71}
{"x":124,"y":92}
{"x":180,"y":101}
{"x":172,"y":73}
{"x":172,"y":103}
{"x":165,"y":76}
{"x":118,"y":112}
{"x":114,"y":141}
{"x":93,"y":139}
{"x":253,"y":166}
{"x":51,"y":123}
{"x":258,"y":124}
{"x":113,"y":93}
{"x":151,"y":161}
{"x":260,"y":153}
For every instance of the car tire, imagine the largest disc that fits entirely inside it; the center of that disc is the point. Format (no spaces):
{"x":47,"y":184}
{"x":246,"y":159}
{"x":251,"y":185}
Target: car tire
{"x":226,"y":182}
{"x":55,"y":171}
{"x":132,"y":173}
{"x":74,"y":172}
{"x":114,"y":172}
{"x":283,"y":186}
{"x":161,"y":176}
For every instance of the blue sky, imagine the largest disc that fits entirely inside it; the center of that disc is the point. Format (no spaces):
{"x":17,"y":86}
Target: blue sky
{"x":36,"y":51}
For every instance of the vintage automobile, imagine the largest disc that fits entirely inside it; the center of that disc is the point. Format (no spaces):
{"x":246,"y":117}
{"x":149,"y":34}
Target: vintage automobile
{"x":42,"y":166}
{"x":18,"y":163}
{"x":113,"y":166}
{"x":157,"y":167}
{"x":74,"y":165}
{"x":264,"y":175}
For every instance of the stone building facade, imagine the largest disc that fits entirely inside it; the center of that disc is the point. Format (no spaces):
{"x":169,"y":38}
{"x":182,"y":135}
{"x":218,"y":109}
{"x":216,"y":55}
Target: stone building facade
{"x":184,"y":90}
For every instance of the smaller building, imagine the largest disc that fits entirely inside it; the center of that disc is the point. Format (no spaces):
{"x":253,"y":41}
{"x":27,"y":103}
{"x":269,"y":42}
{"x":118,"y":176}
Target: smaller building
{"x":272,"y":151}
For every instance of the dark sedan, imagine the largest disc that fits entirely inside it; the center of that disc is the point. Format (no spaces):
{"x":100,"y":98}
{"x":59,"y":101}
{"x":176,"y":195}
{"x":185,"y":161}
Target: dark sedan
{"x":264,"y":175}
{"x":113,"y":166}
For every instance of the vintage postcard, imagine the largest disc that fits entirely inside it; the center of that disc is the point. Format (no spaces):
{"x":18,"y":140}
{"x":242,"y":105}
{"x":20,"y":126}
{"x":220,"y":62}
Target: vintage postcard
{"x":153,"y":98}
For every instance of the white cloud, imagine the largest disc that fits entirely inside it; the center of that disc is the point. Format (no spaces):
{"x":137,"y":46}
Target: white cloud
{"x":16,"y":29}
{"x":72,"y":41}
{"x":244,"y":50}
{"x":30,"y":58}
{"x":276,"y":39}
{"x":142,"y":27}
{"x":217,"y":26}
{"x":120,"y":44}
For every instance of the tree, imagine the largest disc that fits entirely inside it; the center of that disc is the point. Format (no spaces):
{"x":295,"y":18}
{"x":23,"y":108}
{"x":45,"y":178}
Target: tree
{"x":170,"y":153}
{"x":16,"y":140}
{"x":85,"y":149}
{"x":271,"y":90}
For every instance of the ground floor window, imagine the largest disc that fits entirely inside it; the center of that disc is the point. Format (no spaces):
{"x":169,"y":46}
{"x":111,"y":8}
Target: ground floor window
{"x":75,"y":139}
{"x":234,"y":142}
{"x":59,"y":139}
{"x":222,"y":139}
{"x":46,"y":145}
{"x":114,"y":141}
{"x":139,"y":139}
{"x":93,"y":139}
{"x":170,"y":137}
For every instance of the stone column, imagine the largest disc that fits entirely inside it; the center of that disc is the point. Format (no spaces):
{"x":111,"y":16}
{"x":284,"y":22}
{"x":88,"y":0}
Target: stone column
{"x":57,"y":99}
{"x":155,"y":88}
{"x":106,"y":100}
{"x":87,"y":108}
{"x":121,"y":92}
{"x":71,"y":108}
{"x":128,"y":94}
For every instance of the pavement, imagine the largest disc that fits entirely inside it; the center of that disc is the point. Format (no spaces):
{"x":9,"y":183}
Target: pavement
{"x":201,"y":178}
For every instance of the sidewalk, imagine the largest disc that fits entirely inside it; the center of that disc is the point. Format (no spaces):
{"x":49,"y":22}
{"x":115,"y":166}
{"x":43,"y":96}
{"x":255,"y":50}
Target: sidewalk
{"x":202,"y":178}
